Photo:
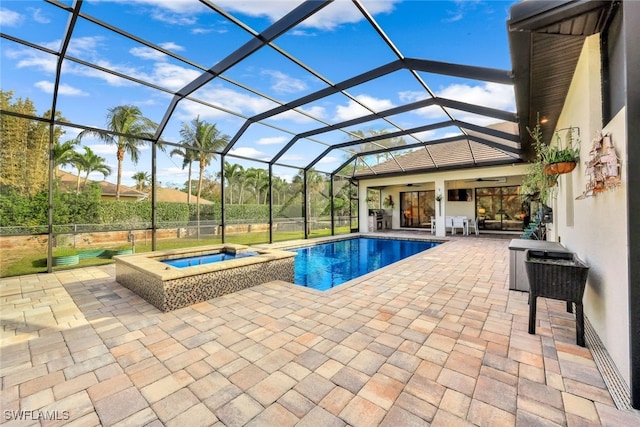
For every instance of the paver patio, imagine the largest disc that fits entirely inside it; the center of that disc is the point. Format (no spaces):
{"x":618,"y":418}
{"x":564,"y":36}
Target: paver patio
{"x":437,"y":339}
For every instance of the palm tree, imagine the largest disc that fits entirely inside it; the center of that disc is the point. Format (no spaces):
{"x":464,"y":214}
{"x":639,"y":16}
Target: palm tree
{"x":126,"y":126}
{"x":142,"y":179}
{"x":63,"y":154}
{"x":205,"y":139}
{"x":260,"y":180}
{"x":90,"y":162}
{"x":234,"y":174}
{"x":188,"y":157}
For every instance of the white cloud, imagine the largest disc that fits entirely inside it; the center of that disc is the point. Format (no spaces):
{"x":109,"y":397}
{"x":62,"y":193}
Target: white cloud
{"x":337,"y":13}
{"x":145,"y":52}
{"x":9,"y":18}
{"x":82,"y":46}
{"x":63,"y":89}
{"x":412,"y":95}
{"x":283,"y":83}
{"x":273,"y":140}
{"x":343,"y":11}
{"x":249,"y":152}
{"x":492,"y":95}
{"x":172,"y":76}
{"x":173,"y":18}
{"x":328,"y":159}
{"x":37,"y":15}
{"x":172,"y":46}
{"x":238,"y":102}
{"x":35,"y":59}
{"x":353,"y":110}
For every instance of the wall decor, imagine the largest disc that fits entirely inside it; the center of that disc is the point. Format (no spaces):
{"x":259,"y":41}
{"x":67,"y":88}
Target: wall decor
{"x":603,"y":167}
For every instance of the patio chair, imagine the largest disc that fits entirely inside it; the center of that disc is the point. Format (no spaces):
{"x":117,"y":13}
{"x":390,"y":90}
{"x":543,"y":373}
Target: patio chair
{"x":448,"y":223}
{"x":461,"y":223}
{"x":473,"y":223}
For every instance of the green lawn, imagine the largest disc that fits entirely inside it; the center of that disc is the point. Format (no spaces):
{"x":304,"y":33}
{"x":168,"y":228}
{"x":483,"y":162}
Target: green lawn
{"x":31,"y":262}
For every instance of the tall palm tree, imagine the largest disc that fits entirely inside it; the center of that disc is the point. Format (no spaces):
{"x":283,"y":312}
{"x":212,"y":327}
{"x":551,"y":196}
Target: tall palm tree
{"x":234,"y":174}
{"x":188,"y":157}
{"x":205,"y":139}
{"x":142,"y":179}
{"x":90,"y":162}
{"x":130,"y":126}
{"x":259,"y":178}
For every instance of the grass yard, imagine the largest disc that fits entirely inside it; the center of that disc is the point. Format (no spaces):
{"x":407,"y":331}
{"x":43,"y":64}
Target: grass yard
{"x":30,"y":261}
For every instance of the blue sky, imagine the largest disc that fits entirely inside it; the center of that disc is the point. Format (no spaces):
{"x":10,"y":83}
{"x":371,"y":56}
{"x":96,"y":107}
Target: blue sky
{"x":337,"y":43}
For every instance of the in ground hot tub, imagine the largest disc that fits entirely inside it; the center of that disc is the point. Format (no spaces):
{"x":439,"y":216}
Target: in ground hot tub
{"x":169,"y":287}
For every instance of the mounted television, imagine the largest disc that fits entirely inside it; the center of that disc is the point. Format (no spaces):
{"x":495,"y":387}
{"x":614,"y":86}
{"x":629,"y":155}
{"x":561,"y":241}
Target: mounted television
{"x":459,"y":195}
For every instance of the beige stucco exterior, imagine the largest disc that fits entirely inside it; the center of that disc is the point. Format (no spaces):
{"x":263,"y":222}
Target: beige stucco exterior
{"x":596,"y":227}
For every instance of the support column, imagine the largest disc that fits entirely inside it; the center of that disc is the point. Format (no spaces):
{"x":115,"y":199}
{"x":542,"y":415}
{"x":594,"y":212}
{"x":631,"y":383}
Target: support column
{"x":441,"y":189}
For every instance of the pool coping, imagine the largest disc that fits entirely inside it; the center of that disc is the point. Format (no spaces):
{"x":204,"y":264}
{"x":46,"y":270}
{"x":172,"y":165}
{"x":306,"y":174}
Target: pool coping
{"x":151,"y":262}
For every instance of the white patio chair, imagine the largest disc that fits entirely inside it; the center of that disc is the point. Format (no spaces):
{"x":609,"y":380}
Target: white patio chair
{"x":473,"y":223}
{"x":459,"y":222}
{"x":448,"y":223}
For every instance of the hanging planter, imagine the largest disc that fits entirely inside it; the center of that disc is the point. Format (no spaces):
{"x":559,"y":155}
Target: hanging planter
{"x":559,"y":168}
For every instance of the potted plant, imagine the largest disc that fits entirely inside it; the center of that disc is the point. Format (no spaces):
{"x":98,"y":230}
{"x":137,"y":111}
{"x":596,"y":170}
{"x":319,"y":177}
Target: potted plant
{"x":388,"y":202}
{"x":541,"y":177}
{"x":559,"y":158}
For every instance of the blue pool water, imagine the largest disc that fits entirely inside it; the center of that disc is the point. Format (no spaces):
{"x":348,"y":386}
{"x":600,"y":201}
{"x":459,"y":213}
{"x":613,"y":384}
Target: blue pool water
{"x":206,"y":259}
{"x":324,"y":266}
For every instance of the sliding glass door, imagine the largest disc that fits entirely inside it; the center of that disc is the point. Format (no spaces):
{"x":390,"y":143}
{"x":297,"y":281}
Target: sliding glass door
{"x":417,"y":208}
{"x":499,"y":208}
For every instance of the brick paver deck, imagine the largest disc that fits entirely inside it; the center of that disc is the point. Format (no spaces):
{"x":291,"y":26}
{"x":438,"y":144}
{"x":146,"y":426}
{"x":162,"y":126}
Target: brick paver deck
{"x":437,"y":339}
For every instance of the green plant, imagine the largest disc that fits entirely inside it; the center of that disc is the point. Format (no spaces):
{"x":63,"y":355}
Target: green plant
{"x":388,"y":202}
{"x":538,"y":185}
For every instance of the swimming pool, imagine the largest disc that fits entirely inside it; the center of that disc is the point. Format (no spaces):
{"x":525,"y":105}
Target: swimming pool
{"x":207,"y":259}
{"x":327,"y":265}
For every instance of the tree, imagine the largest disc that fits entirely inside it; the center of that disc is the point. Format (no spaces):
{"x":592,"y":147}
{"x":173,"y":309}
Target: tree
{"x":188,"y":155}
{"x":234,"y":174}
{"x":143,"y":180}
{"x":24,"y":146}
{"x":126,"y":127}
{"x":205,"y":139}
{"x":259,"y":179}
{"x":90,"y":162}
{"x":64,"y":154}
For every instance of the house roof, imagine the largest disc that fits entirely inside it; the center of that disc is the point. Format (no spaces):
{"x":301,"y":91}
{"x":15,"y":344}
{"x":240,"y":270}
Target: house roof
{"x":69,"y":180}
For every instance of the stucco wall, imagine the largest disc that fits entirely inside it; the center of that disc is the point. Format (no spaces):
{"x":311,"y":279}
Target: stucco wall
{"x":596,"y":227}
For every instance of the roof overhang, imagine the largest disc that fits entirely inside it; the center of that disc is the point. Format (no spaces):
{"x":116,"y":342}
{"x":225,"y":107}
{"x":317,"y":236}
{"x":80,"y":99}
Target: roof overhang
{"x":546,"y":39}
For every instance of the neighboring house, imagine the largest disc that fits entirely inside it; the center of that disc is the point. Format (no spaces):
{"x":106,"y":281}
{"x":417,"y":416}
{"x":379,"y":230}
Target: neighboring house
{"x":177,"y":196}
{"x":69,"y":182}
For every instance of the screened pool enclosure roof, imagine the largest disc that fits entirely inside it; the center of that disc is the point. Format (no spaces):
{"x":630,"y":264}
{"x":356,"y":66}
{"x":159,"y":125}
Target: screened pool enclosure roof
{"x":391,"y":98}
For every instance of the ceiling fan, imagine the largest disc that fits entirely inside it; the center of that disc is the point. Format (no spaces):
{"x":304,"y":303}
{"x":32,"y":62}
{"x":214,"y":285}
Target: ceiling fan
{"x":487,"y":180}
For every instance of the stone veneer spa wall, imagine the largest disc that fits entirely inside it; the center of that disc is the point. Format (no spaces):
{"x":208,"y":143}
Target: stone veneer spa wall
{"x":169,"y":288}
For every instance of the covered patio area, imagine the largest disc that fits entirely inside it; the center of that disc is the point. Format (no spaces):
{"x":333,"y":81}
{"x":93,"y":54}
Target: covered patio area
{"x":436,"y":339}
